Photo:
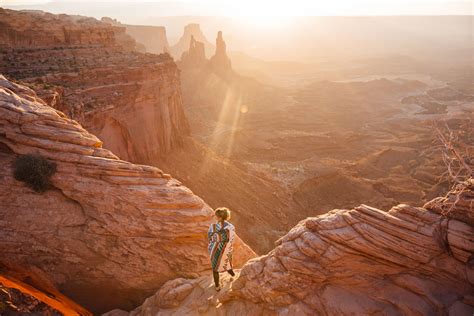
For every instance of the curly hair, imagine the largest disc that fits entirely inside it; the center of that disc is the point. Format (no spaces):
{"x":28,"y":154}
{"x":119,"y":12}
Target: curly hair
{"x":222,"y":212}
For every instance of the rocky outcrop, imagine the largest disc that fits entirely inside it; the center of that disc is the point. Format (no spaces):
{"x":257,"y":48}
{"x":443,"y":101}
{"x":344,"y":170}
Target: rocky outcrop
{"x":220,"y":62}
{"x":38,"y":29}
{"x":191,"y":30}
{"x":363,"y":261}
{"x":131,"y":101}
{"x":153,"y":38}
{"x":109,"y":232}
{"x":212,"y":82}
{"x":195,"y":57}
{"x":18,"y":298}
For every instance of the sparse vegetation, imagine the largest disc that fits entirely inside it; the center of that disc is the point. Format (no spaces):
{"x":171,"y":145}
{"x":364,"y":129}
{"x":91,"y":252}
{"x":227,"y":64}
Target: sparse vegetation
{"x":35,"y":171}
{"x":453,"y":146}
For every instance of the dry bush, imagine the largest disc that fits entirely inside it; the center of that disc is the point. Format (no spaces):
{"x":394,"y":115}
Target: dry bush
{"x":456,"y":150}
{"x":35,"y":171}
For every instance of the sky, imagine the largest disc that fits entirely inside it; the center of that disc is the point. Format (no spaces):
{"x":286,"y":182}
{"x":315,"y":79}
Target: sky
{"x":255,"y":7}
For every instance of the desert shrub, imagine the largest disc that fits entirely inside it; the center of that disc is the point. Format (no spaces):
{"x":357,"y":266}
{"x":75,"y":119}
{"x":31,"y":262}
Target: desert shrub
{"x":35,"y":171}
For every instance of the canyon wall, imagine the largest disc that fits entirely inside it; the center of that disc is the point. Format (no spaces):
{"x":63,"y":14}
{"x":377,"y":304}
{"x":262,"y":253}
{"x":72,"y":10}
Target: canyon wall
{"x":363,"y":261}
{"x":108,"y":233}
{"x":153,"y":38}
{"x":93,"y":73}
{"x":38,"y":29}
{"x":191,"y":30}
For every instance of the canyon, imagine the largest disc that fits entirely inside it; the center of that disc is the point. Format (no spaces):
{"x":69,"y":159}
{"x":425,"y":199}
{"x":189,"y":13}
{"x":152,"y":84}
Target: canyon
{"x":133,"y":103}
{"x":91,"y":71}
{"x":320,"y":129}
{"x":405,"y":261}
{"x":146,"y":146}
{"x":109,"y":232}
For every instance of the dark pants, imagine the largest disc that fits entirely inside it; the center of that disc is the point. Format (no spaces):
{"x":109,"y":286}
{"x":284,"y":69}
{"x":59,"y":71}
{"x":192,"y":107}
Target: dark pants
{"x":215,"y":274}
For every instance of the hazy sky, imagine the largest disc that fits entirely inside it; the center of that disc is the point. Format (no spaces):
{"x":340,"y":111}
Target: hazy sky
{"x":257,"y":7}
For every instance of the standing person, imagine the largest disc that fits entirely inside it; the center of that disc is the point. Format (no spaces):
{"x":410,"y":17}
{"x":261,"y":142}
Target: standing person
{"x":221,"y":237}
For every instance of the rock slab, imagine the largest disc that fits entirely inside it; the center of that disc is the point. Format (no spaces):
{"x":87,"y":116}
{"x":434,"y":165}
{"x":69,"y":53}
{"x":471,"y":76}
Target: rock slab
{"x":363,"y":261}
{"x":109,"y":232}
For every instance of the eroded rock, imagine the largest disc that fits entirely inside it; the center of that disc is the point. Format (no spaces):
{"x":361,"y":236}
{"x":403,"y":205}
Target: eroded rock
{"x":110,"y":232}
{"x":349,"y":262}
{"x":91,"y":71}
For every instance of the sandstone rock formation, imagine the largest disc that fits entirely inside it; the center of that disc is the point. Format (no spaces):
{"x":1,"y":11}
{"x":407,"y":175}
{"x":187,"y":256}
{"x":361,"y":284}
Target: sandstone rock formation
{"x":191,"y":30}
{"x":364,"y":261}
{"x":214,"y":96}
{"x":153,"y":38}
{"x":206,"y":81}
{"x":131,"y":101}
{"x":110,"y":232}
{"x":38,"y":29}
{"x":18,"y":298}
{"x":220,"y":63}
{"x":195,"y":57}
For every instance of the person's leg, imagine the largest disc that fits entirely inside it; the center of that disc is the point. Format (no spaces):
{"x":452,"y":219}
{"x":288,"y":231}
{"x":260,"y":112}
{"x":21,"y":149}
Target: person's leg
{"x":215,"y":274}
{"x":231,"y":272}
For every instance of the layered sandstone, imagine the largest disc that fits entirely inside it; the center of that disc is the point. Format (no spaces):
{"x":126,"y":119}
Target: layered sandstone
{"x":191,"y":30}
{"x":131,"y":101}
{"x":153,"y":38}
{"x":109,"y":232}
{"x":38,"y":29}
{"x":363,"y":261}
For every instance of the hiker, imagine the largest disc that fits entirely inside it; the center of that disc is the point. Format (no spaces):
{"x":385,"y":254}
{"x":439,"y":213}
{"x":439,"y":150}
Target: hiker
{"x":221,"y":237}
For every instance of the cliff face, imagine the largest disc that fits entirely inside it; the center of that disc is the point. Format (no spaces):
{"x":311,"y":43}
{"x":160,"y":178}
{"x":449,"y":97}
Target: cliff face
{"x":153,"y":38}
{"x":364,"y":261}
{"x":132,"y":101}
{"x":191,"y":30}
{"x":37,"y":29}
{"x":109,"y":232}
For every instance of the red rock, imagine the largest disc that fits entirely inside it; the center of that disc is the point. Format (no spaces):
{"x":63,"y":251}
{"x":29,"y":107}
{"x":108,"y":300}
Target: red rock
{"x":38,"y":29}
{"x":131,"y":101}
{"x":349,"y":262}
{"x":109,"y":232}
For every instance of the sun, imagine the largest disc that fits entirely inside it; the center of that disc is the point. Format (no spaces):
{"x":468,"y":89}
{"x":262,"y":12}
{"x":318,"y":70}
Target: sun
{"x":262,"y":13}
{"x":265,"y":21}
